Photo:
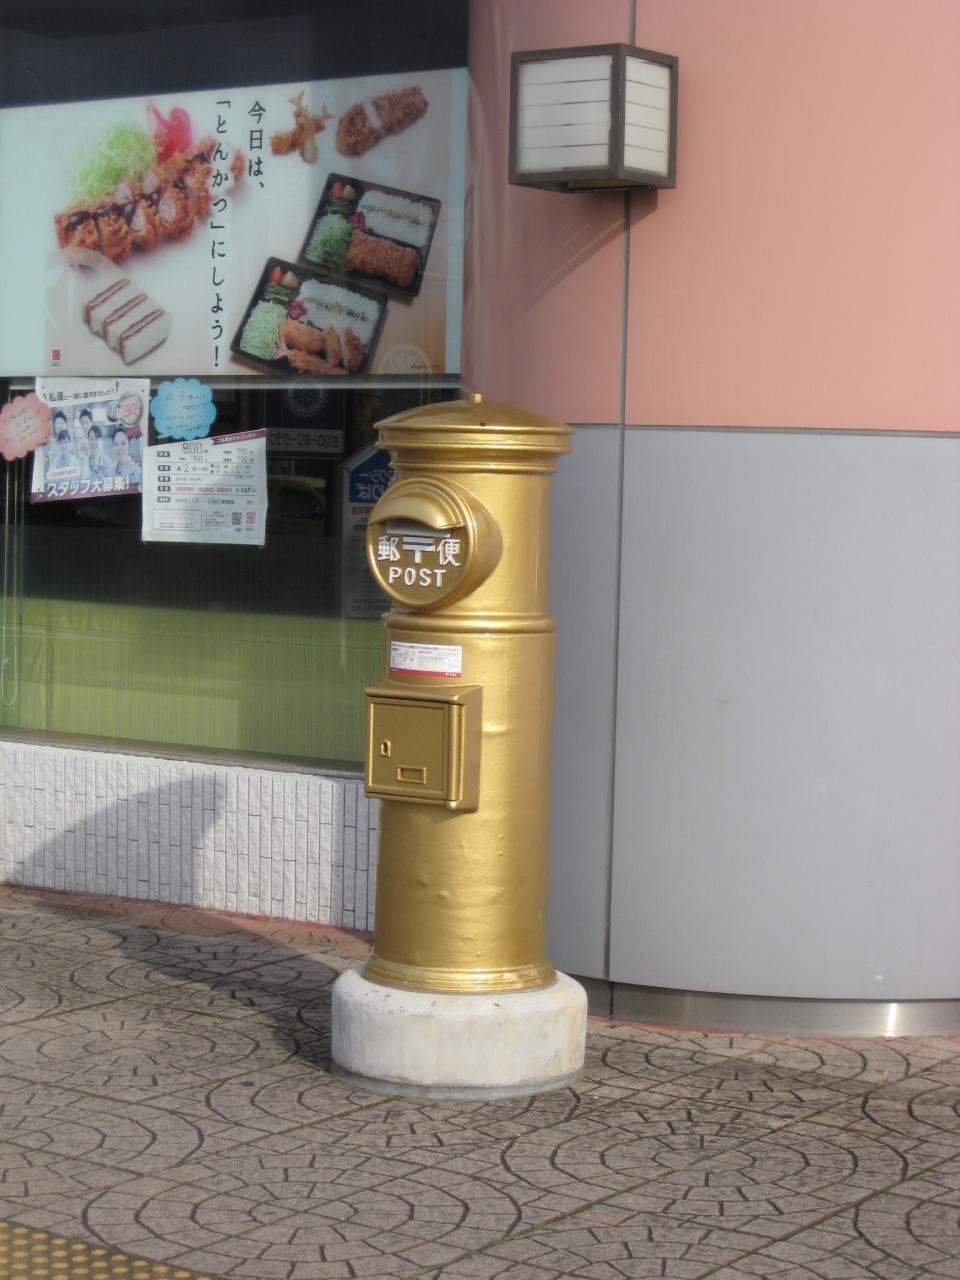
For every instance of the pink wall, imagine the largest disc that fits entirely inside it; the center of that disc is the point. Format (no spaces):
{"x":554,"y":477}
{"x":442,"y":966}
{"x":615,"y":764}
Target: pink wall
{"x":805,"y":271}
{"x":542,"y":325}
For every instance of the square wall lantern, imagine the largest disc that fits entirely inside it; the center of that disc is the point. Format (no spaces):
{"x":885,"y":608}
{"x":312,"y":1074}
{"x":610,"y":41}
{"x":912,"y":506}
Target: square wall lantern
{"x":598,"y":118}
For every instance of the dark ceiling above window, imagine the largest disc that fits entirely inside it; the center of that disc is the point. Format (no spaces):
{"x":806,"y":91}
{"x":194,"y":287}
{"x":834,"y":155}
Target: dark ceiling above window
{"x":105,"y":48}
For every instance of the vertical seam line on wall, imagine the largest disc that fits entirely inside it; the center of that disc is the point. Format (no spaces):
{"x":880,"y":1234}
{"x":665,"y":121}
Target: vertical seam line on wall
{"x":621,"y":443}
{"x":621,"y":448}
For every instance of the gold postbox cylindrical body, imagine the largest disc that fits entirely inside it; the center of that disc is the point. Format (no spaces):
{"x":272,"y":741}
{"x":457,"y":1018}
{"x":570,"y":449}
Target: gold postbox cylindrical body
{"x":459,"y":729}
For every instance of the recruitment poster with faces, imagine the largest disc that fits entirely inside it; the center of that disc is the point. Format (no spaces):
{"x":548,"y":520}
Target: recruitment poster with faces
{"x":307,"y":229}
{"x":95,"y":446}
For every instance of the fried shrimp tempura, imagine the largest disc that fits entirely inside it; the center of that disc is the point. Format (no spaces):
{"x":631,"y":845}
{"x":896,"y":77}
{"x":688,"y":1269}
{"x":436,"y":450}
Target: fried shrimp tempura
{"x":352,"y":351}
{"x":304,"y":362}
{"x":331,"y":340}
{"x":302,"y":137}
{"x":302,"y":337}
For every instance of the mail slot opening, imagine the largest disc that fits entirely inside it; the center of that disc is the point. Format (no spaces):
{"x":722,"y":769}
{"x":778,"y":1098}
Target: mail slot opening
{"x":421,"y":536}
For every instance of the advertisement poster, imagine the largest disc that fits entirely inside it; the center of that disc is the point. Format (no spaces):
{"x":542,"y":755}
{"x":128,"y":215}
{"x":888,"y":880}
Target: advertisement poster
{"x":200,"y":485}
{"x":94,"y":449}
{"x":305,"y":228}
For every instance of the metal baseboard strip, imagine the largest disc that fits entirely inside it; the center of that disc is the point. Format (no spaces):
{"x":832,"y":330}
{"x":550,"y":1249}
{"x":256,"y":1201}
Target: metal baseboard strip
{"x":782,"y":1015}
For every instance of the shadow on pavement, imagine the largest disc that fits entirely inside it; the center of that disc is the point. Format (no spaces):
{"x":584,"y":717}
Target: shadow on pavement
{"x":178,"y":957}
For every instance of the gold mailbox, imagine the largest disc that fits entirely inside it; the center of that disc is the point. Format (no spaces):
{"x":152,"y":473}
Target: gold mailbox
{"x":458,"y":730}
{"x":424,"y":749}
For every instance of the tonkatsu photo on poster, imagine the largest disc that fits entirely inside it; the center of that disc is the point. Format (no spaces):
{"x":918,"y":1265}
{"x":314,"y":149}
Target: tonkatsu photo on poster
{"x":302,"y":228}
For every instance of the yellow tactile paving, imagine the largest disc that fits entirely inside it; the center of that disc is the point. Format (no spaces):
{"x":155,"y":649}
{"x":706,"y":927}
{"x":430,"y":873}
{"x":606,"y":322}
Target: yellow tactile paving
{"x":28,"y":1254}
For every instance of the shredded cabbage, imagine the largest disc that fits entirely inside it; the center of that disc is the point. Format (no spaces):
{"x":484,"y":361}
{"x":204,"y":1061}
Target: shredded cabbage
{"x":261,"y":333}
{"x":330,"y":241}
{"x":123,"y":151}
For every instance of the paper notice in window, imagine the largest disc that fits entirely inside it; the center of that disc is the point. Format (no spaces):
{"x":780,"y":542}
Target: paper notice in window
{"x":211,"y":490}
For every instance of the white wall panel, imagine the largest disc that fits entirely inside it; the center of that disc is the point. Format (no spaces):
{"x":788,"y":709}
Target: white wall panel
{"x":583,"y":597}
{"x":787,"y":814}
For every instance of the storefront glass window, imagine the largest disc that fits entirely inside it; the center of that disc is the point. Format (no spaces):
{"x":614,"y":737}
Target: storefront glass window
{"x":260,"y":222}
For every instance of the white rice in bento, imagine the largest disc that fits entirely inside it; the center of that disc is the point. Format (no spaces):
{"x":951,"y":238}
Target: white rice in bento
{"x":330,"y":305}
{"x":408,"y":221}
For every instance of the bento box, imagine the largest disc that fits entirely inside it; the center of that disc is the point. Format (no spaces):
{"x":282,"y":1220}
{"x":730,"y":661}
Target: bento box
{"x":368,"y":232}
{"x":302,"y":321}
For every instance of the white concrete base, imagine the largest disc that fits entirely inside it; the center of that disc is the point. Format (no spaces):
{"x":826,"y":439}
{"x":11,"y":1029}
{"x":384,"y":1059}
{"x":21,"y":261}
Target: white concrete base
{"x":515,"y":1042}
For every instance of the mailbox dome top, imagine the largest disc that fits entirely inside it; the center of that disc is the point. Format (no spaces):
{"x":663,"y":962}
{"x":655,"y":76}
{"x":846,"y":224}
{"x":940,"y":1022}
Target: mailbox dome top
{"x":472,"y":414}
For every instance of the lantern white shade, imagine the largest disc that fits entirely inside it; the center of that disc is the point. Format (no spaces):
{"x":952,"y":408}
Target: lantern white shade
{"x":599,"y":117}
{"x":646,"y":133}
{"x":563,"y":113}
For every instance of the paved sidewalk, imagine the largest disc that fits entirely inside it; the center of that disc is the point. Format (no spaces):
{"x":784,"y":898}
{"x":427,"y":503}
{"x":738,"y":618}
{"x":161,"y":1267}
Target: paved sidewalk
{"x":165,"y":1093}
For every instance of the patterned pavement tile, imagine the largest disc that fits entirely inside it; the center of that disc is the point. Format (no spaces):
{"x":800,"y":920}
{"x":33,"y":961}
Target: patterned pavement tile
{"x":429,"y":1133}
{"x":302,"y":937}
{"x":160,"y":1219}
{"x":532,"y":1206}
{"x":131,"y":1136}
{"x":25,"y":997}
{"x":918,"y":1222}
{"x":294,"y":991}
{"x":786,"y":1094}
{"x":368,"y":1238}
{"x":272,"y":1100}
{"x":911,"y":1230}
{"x":58,"y":929}
{"x":165,"y":1089}
{"x":612,"y":1149}
{"x":603,"y":1244}
{"x":34,"y":974}
{"x":868,"y":1062}
{"x":135,"y":1053}
{"x":245,"y":1208}
{"x":632,"y":1064}
{"x":324,"y":1259}
{"x":485,"y":1266}
{"x":922,"y":1107}
{"x":48,"y":1192}
{"x":217,"y":955}
{"x":781,"y":1183}
{"x":65,"y":929}
{"x":947,"y":1072}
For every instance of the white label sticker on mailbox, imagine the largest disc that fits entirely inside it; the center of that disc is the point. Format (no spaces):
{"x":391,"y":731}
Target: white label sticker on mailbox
{"x":426,"y":659}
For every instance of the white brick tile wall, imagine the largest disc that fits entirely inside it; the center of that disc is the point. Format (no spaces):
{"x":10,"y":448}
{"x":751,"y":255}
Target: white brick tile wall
{"x":292,"y":845}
